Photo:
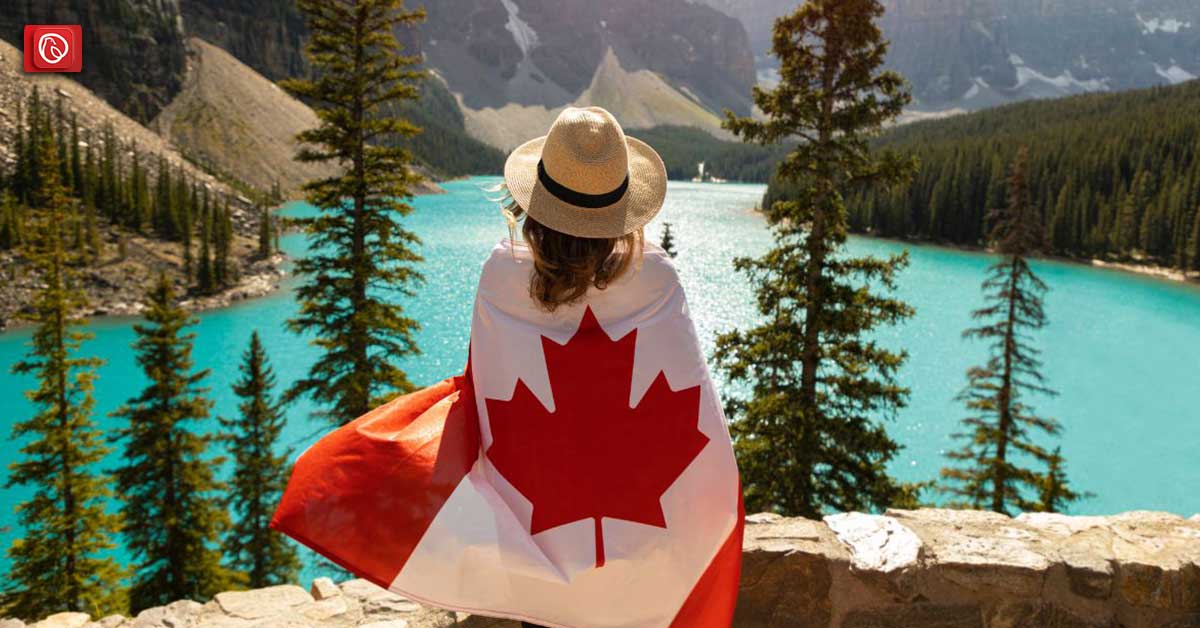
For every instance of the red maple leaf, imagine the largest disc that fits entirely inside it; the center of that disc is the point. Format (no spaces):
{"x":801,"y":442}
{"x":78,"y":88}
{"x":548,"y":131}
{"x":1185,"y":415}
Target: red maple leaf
{"x":594,"y":456}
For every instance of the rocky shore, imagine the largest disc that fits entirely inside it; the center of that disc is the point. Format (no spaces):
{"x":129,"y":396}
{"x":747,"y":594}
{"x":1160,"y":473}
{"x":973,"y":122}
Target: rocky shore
{"x":906,"y":569}
{"x":116,"y":286}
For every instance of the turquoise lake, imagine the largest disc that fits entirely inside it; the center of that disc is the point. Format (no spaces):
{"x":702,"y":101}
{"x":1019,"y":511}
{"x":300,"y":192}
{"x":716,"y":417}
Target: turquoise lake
{"x":1122,"y":350}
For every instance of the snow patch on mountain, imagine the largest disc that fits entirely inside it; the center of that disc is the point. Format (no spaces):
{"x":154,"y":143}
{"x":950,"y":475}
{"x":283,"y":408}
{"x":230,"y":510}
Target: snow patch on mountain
{"x":1165,"y":25}
{"x":976,"y":85}
{"x":522,"y":33}
{"x":1174,"y":74}
{"x":1065,"y":81}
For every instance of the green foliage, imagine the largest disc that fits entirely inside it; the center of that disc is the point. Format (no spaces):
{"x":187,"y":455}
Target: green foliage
{"x":808,"y":435}
{"x":443,"y":144}
{"x":206,"y":279}
{"x":1114,"y":175}
{"x":259,"y":477}
{"x":266,"y":232}
{"x":122,"y":192}
{"x":999,"y":432}
{"x":683,"y":148}
{"x":668,"y":240}
{"x":173,"y":514}
{"x":12,"y":221}
{"x":359,"y":252}
{"x":60,"y":565}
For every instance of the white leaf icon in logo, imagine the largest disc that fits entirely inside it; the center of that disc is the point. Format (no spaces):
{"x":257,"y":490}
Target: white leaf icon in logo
{"x":53,"y":47}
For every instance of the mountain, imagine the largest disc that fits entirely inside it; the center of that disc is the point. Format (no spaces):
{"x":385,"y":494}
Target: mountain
{"x":134,"y":49}
{"x":513,"y":64}
{"x":972,"y":54}
{"x":237,"y":123}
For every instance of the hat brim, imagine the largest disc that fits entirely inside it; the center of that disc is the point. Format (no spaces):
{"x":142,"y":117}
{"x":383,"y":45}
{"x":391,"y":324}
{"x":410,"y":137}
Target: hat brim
{"x":641,"y":202}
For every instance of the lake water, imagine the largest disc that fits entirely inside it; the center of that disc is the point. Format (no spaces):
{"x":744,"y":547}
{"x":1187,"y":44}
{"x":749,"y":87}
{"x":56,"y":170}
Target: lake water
{"x":1123,"y":350}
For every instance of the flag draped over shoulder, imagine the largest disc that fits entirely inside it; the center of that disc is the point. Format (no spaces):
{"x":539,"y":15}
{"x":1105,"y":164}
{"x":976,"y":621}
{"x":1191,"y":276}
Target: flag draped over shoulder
{"x":579,"y":474}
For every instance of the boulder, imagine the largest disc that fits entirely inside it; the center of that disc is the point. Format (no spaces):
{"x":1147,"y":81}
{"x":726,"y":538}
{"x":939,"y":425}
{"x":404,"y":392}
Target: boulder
{"x":273,"y":601}
{"x":64,"y":620}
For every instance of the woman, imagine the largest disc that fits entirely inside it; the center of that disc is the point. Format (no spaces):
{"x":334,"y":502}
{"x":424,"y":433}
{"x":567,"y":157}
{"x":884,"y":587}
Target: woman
{"x":579,"y":473}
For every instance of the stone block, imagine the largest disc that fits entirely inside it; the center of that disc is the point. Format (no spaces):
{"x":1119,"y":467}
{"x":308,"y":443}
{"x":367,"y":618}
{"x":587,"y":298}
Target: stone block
{"x":64,"y":620}
{"x":323,"y":589}
{"x":277,"y":601}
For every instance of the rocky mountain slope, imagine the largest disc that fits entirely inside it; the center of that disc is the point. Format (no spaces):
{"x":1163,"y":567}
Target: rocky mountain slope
{"x":115,"y":283}
{"x":973,"y":54}
{"x":134,"y":49}
{"x":513,"y":64}
{"x":235,"y":122}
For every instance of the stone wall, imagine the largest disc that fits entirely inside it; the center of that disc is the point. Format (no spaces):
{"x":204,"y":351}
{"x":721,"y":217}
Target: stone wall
{"x":905,"y":569}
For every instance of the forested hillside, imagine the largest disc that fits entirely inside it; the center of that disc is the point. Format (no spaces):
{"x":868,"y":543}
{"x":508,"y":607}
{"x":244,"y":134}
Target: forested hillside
{"x":682,"y":148}
{"x":1114,"y":176}
{"x":443,"y":144}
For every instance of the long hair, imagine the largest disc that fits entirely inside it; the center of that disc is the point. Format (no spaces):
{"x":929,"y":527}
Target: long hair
{"x":566,"y":266}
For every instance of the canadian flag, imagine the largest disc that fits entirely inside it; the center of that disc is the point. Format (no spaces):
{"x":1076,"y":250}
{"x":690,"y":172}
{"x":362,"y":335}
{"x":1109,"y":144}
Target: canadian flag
{"x":579,"y":474}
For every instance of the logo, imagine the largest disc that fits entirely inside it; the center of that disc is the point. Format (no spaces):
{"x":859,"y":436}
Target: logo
{"x":53,"y":48}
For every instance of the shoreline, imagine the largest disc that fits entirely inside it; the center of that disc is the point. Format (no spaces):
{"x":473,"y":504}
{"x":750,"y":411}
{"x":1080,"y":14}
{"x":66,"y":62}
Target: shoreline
{"x":265,"y":277}
{"x":1166,"y":273}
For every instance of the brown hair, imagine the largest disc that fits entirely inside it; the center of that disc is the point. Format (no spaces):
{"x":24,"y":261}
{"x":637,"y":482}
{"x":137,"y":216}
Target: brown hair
{"x":566,"y":266}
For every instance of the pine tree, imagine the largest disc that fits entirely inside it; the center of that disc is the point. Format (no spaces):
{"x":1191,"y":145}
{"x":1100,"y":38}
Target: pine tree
{"x":987,"y":472}
{"x":60,"y":565}
{"x":359,"y":250}
{"x":222,"y":230}
{"x":76,"y":182}
{"x":809,"y":436}
{"x":95,"y":247}
{"x":668,"y":240}
{"x":173,"y":514}
{"x":259,"y":477}
{"x":205,"y":277}
{"x":108,"y":193}
{"x":11,"y":221}
{"x":265,"y":239}
{"x":189,"y":213}
{"x":1193,"y":245}
{"x":1054,"y":491}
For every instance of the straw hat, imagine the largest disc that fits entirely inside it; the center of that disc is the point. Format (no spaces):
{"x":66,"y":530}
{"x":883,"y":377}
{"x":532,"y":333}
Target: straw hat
{"x":585,"y":178}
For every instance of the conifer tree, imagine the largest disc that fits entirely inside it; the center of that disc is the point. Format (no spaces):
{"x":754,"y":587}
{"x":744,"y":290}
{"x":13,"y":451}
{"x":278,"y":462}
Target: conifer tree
{"x":222,"y":240}
{"x":668,"y":240}
{"x":205,"y":278}
{"x":173,"y":513}
{"x":265,"y":237}
{"x":91,"y":174}
{"x":998,"y":435}
{"x":360,"y":252}
{"x":1193,"y":245}
{"x":1054,"y":491}
{"x":11,"y":221}
{"x":809,"y":435}
{"x":60,"y":565}
{"x":76,"y":182}
{"x":259,"y":477}
{"x":108,"y":196}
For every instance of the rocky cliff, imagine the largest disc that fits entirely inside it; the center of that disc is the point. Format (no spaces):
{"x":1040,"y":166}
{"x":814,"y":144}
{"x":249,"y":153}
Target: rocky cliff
{"x":516,"y":63}
{"x":906,"y":569}
{"x":978,"y":53}
{"x":133,"y":49}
